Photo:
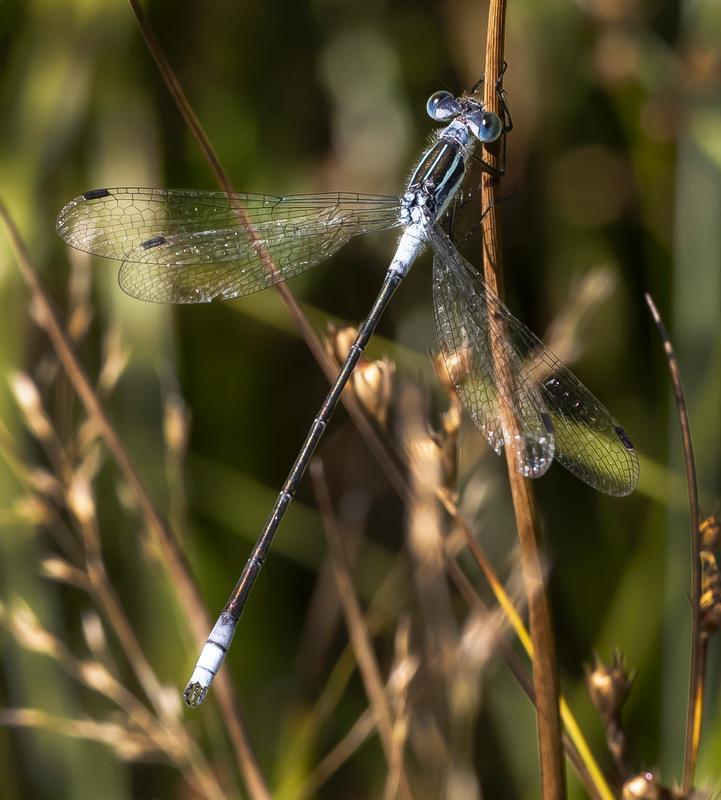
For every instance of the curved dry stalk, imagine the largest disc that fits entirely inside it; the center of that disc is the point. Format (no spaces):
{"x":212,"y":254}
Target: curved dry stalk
{"x":545,"y":669}
{"x":164,"y":733}
{"x":699,"y":643}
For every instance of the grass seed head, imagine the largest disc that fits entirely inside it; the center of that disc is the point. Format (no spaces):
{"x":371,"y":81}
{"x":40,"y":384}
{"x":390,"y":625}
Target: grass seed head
{"x":29,"y":633}
{"x":710,"y":530}
{"x":58,"y":569}
{"x":645,"y":786}
{"x":115,"y":360}
{"x":43,"y":482}
{"x":94,"y":633}
{"x":176,"y":423}
{"x":609,"y":686}
{"x":29,"y":401}
{"x":338,"y":341}
{"x":80,"y":498}
{"x":373,"y":384}
{"x":372,"y":381}
{"x":710,"y":601}
{"x":97,"y":677}
{"x":32,"y":510}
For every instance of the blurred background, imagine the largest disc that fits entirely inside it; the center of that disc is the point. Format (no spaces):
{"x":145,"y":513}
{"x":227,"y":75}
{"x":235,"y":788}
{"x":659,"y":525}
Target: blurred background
{"x":613,"y":189}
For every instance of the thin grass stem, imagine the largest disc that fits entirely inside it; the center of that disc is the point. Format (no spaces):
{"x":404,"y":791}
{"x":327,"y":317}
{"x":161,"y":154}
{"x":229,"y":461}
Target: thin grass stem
{"x":699,"y":643}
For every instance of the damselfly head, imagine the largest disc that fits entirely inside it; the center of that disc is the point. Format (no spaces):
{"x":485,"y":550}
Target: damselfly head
{"x":484,"y":125}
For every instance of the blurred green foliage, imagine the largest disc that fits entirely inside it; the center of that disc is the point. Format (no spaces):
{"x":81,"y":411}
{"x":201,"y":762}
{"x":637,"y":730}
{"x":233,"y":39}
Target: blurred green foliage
{"x":614,"y":166}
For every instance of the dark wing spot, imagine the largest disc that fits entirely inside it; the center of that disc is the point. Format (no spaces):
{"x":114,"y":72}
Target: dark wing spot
{"x":96,"y":194}
{"x":155,"y":242}
{"x":547,"y":423}
{"x":625,"y":441}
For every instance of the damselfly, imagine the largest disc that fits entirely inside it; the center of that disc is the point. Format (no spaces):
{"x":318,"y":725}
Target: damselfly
{"x":184,"y":246}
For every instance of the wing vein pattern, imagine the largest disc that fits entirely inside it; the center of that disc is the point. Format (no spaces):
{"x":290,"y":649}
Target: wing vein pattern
{"x":556,"y":414}
{"x":189,"y":246}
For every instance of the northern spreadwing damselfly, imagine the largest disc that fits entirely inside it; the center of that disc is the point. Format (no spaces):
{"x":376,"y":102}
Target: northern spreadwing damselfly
{"x":187,"y":246}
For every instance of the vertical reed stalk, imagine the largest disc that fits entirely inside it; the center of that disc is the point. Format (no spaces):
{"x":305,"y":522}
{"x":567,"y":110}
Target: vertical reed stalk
{"x":545,"y":670}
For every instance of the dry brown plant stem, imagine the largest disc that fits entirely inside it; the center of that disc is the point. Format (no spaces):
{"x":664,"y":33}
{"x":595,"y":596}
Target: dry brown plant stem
{"x":357,"y":630}
{"x":545,"y":669}
{"x":699,"y":643}
{"x":172,"y":558}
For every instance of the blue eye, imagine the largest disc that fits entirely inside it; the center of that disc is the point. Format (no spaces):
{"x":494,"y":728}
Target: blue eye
{"x":492,"y":125}
{"x":486,"y":126}
{"x":442,"y":105}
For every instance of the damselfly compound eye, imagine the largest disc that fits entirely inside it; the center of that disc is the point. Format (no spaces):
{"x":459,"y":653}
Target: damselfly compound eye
{"x":490,"y":127}
{"x":484,"y":125}
{"x":442,"y":105}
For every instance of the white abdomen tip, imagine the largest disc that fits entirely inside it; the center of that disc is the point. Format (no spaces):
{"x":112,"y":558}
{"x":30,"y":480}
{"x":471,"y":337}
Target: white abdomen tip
{"x":210,"y":660}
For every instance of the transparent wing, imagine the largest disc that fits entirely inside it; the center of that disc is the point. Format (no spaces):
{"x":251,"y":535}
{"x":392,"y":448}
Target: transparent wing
{"x":472,"y":340}
{"x":588,"y":440}
{"x":187,"y":246}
